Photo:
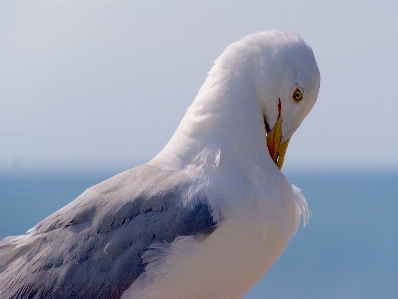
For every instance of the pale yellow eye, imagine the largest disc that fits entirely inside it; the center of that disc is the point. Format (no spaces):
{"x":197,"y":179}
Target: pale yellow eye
{"x":297,"y":95}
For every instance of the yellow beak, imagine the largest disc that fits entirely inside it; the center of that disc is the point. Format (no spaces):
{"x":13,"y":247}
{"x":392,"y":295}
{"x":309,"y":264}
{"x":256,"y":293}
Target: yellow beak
{"x":276,"y":148}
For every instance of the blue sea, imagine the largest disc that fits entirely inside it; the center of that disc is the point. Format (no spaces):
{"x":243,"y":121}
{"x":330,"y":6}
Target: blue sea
{"x":348,"y":250}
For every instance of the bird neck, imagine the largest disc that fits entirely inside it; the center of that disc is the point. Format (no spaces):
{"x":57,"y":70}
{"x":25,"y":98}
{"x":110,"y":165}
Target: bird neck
{"x":223,"y":128}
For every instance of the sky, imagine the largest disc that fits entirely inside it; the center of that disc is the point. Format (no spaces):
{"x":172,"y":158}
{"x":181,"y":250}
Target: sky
{"x":89,"y":85}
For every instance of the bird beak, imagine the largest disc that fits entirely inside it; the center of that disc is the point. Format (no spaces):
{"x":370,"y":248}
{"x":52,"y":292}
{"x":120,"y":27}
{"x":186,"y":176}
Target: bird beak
{"x":276,"y":148}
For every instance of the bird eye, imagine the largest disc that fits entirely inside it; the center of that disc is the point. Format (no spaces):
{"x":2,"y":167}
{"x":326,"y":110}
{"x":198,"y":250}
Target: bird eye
{"x":297,"y":95}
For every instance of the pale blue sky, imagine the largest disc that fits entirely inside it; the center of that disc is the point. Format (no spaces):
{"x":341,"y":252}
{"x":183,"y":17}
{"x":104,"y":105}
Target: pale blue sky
{"x":91,"y":85}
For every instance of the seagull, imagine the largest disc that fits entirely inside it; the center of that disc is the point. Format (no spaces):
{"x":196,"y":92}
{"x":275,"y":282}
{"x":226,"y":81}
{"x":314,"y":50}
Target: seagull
{"x":208,"y":216}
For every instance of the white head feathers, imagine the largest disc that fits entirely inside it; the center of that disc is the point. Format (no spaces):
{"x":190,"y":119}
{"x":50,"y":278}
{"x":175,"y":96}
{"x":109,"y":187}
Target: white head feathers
{"x":244,"y":89}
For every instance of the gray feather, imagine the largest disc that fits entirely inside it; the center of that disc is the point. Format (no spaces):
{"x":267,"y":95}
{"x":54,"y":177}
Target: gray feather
{"x":94,"y":247}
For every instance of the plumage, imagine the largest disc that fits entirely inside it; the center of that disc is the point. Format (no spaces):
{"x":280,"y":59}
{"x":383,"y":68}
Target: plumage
{"x":207,"y":217}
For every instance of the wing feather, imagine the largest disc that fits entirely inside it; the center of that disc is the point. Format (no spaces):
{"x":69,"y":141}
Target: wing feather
{"x":95,"y":246}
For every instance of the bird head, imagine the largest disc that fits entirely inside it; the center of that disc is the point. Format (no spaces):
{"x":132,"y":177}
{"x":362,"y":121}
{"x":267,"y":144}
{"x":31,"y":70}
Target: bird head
{"x":272,"y":72}
{"x":287,"y":82}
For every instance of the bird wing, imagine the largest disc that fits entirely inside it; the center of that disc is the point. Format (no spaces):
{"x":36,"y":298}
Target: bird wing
{"x":94,"y":246}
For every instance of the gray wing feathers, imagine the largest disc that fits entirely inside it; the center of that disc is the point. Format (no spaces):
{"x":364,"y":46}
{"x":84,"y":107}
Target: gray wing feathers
{"x":93,"y":247}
